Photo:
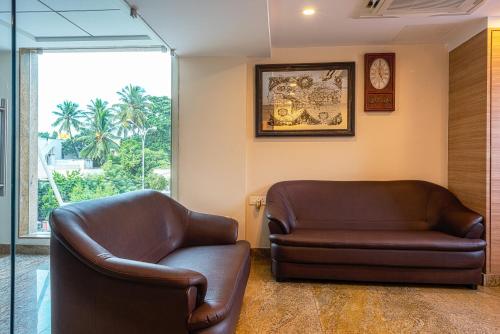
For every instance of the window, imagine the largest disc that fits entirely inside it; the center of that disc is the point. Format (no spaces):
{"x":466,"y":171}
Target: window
{"x":99,"y":124}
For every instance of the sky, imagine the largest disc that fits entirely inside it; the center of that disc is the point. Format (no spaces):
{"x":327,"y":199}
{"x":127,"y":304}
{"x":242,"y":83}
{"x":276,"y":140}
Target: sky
{"x":83,"y":76}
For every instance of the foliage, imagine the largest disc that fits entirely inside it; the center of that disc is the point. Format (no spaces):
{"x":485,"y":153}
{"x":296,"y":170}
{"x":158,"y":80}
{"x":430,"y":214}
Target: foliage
{"x":100,"y":137}
{"x":46,"y":200}
{"x":69,"y":118}
{"x":112,"y":138}
{"x":125,"y":168}
{"x":46,"y":135}
{"x":132,"y":109}
{"x":159,"y":115}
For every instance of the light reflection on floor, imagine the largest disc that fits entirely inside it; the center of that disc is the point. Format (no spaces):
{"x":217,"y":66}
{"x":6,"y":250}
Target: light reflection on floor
{"x":32,"y":307}
{"x":43,"y":300}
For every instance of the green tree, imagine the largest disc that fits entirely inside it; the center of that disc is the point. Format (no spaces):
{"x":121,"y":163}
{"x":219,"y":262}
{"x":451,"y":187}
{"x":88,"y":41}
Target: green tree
{"x":132,"y":109}
{"x":124,"y":169}
{"x":160,"y":116}
{"x":100,"y":137}
{"x":69,"y":118}
{"x":46,"y":135}
{"x":46,"y":200}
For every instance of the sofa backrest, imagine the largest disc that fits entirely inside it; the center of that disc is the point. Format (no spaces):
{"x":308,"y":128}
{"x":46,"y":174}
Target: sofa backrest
{"x":387,"y":205}
{"x":143,"y":226}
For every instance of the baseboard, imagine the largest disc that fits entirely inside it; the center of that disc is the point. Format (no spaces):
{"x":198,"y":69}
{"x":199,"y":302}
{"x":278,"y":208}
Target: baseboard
{"x":26,"y":249}
{"x":491,"y":279}
{"x":261,"y":252}
{"x":4,"y":249}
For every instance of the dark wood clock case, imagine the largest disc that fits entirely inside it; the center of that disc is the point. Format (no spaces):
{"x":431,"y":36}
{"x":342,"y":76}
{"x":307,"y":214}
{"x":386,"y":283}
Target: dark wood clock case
{"x":380,"y":99}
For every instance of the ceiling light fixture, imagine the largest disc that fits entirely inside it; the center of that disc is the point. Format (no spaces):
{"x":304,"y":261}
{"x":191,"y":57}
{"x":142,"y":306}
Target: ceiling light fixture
{"x":308,"y":11}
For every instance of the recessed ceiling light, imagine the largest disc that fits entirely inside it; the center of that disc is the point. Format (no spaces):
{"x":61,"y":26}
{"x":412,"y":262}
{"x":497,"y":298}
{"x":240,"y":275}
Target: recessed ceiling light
{"x":308,"y":11}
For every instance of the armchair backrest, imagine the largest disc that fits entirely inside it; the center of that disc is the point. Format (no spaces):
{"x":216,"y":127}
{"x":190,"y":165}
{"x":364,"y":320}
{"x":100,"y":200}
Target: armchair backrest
{"x":143,"y":226}
{"x":389,"y":205}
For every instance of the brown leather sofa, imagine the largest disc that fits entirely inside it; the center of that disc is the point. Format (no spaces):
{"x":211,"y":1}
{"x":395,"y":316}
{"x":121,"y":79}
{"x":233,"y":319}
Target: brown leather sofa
{"x":142,"y":263}
{"x":397,"y":231}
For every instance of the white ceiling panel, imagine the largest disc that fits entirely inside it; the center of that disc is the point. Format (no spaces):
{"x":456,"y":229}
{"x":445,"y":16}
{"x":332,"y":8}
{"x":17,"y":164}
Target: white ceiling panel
{"x":47,"y":24}
{"x":210,"y":28}
{"x":336,"y":23}
{"x":99,"y":23}
{"x":63,"y":5}
{"x":427,"y":33}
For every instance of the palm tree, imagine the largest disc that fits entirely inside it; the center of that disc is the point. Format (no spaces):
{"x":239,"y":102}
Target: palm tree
{"x":68,"y":119}
{"x":132,"y":109}
{"x":123,"y":116}
{"x":100,"y":136}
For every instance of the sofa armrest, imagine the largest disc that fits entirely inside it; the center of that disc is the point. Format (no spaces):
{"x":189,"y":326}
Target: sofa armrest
{"x":461,"y":222}
{"x":205,"y":230}
{"x":280,"y":218}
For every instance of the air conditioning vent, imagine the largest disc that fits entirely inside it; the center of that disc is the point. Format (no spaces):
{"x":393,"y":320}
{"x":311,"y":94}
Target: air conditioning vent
{"x":372,"y":4}
{"x":396,"y":8}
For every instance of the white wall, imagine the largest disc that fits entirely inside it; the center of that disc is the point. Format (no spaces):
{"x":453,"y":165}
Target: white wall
{"x":222,"y":163}
{"x":212,"y":135}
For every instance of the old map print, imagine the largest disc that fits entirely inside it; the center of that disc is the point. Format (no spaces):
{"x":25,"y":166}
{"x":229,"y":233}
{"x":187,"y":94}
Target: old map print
{"x":305,"y":100}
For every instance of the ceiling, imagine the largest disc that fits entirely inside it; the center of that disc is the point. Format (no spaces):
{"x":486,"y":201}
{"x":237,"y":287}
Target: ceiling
{"x":253,"y":27}
{"x":75,"y":24}
{"x":223,"y":27}
{"x":214,"y":27}
{"x":335,"y":24}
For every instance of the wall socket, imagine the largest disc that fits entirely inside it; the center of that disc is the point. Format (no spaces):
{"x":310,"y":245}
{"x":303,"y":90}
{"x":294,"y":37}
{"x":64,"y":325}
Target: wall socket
{"x":257,"y":201}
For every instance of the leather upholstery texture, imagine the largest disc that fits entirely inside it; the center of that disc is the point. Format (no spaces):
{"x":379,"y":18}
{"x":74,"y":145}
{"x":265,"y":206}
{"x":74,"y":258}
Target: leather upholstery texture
{"x":142,"y":263}
{"x":382,"y":231}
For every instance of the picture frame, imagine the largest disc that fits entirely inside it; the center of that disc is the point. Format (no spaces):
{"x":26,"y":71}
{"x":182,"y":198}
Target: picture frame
{"x":310,"y":99}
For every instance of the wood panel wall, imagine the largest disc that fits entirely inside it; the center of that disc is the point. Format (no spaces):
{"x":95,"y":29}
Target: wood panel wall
{"x":468,"y":148}
{"x":494,"y":226}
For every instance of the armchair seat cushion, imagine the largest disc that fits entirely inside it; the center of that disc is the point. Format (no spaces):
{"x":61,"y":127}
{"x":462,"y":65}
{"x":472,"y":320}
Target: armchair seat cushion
{"x":378,"y":239}
{"x":226,"y":268}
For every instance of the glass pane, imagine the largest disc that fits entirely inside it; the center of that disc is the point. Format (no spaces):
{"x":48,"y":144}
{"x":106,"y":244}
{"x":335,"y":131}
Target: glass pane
{"x":94,"y":120}
{"x":6,"y":94}
{"x":105,"y":137}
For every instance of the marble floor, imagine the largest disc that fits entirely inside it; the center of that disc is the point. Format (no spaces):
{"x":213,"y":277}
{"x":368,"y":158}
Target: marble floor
{"x":32,"y":301}
{"x":317,"y":307}
{"x":298,"y":307}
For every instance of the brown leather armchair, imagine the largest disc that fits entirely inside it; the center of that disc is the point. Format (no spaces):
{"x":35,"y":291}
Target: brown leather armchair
{"x":142,"y":263}
{"x":397,"y":231}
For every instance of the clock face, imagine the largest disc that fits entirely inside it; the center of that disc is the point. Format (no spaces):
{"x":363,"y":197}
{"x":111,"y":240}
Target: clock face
{"x":380,"y":73}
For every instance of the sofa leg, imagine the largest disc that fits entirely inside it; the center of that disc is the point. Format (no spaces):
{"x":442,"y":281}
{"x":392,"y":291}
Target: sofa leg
{"x":472,"y":286}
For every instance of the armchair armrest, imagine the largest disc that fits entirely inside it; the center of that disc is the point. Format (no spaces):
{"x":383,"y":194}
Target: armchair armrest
{"x":150,"y":273}
{"x":204,"y":230}
{"x":462,"y":222}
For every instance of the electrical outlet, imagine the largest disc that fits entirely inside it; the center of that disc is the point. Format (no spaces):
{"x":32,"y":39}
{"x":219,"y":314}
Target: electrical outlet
{"x":257,"y":201}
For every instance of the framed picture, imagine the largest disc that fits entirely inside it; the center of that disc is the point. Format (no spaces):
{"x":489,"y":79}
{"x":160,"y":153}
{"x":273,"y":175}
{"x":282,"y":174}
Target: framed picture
{"x":305,"y":99}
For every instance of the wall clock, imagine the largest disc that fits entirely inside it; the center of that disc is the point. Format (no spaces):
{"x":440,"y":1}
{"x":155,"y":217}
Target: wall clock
{"x":380,"y":81}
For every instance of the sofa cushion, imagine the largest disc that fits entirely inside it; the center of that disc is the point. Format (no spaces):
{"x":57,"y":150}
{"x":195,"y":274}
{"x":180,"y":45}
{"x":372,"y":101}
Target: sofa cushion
{"x":378,"y":257}
{"x":369,"y":239}
{"x":226,"y":269}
